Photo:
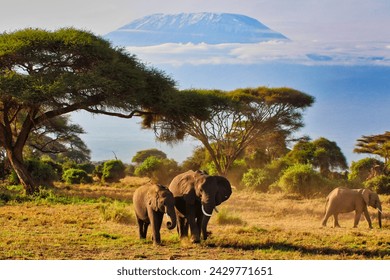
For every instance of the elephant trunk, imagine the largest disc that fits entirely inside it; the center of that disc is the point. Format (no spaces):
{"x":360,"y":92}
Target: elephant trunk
{"x":380,"y":216}
{"x":207,"y":210}
{"x":171,"y":223}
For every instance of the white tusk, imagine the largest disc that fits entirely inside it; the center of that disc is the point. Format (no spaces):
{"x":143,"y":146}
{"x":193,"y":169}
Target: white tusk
{"x":204,"y":212}
{"x":379,"y":210}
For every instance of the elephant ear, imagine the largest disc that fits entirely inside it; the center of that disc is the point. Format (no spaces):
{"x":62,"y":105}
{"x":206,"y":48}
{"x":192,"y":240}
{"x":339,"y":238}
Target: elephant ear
{"x":224,"y":190}
{"x":366,"y":196}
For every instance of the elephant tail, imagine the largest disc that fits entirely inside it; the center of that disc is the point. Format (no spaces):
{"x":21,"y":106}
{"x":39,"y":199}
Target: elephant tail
{"x":326,"y":204}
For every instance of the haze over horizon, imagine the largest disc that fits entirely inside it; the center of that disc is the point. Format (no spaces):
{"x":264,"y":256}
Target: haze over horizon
{"x":338,"y":52}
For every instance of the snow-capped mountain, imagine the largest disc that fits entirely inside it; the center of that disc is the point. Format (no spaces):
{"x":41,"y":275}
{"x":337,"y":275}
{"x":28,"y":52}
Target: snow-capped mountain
{"x":211,"y":28}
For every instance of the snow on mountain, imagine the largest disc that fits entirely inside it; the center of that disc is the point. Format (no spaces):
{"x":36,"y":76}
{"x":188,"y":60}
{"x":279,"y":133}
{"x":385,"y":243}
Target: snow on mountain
{"x":210,"y":28}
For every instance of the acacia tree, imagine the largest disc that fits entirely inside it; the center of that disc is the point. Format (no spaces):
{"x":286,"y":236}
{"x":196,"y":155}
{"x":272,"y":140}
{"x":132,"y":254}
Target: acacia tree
{"x":58,"y":137}
{"x":376,"y":145}
{"x":46,"y":74}
{"x":239,"y":117}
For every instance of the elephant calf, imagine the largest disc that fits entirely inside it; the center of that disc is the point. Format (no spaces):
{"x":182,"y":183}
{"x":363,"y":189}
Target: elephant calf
{"x":342,"y":200}
{"x":150,"y":203}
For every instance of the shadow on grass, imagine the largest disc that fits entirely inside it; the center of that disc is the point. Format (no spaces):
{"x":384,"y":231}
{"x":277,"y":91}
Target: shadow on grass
{"x":288,"y":247}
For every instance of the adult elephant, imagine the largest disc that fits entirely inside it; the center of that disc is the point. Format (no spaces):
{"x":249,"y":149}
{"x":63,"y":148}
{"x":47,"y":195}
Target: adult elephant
{"x":150,"y":203}
{"x":342,"y":200}
{"x":196,"y":196}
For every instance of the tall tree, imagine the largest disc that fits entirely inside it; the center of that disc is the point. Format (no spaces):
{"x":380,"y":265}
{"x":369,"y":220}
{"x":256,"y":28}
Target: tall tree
{"x":46,"y":74}
{"x":239,"y":117}
{"x":376,"y":145}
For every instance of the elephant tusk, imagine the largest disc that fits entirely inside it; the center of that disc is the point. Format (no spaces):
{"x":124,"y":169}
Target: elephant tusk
{"x":380,"y":211}
{"x":205,"y":213}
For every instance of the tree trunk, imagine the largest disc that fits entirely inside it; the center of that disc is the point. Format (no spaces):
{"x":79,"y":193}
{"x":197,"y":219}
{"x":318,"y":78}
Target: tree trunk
{"x":16,"y":159}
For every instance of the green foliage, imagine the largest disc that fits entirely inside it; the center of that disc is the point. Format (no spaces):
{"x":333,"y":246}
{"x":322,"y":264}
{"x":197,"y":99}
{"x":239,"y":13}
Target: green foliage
{"x":376,"y":145}
{"x":141,"y":156}
{"x":76,"y":176}
{"x":159,"y":170}
{"x":361,"y":169}
{"x":239,"y":117}
{"x":380,"y":184}
{"x":321,"y":153}
{"x":113,"y":171}
{"x":302,"y":179}
{"x":47,"y":74}
{"x":42,"y":172}
{"x":256,"y":179}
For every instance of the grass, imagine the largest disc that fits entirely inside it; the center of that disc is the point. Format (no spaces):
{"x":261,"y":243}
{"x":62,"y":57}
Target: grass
{"x":97,"y":222}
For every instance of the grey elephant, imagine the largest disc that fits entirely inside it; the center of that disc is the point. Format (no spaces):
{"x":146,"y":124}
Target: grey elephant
{"x":196,"y":196}
{"x":342,"y":200}
{"x":151,"y":202}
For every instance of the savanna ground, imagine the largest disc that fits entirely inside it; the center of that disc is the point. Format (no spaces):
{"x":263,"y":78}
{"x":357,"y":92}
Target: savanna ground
{"x":97,"y":222}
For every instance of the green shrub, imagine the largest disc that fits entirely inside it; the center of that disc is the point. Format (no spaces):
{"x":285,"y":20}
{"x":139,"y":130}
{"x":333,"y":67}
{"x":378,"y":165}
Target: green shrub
{"x":113,"y":171}
{"x":302,"y":179}
{"x":380,"y":184}
{"x":76,"y":176}
{"x":256,"y":179}
{"x":160,"y":170}
{"x":361,"y":169}
{"x":42,"y":172}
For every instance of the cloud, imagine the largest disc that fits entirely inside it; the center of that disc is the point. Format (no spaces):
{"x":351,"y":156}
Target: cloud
{"x":306,"y":53}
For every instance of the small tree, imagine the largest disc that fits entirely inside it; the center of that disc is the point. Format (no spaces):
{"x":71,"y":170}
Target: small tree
{"x":113,"y":171}
{"x":321,"y":153}
{"x":376,"y":145}
{"x":141,"y":156}
{"x":76,"y":176}
{"x":159,"y":170}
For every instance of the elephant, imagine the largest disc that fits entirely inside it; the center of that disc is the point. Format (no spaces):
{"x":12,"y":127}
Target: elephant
{"x":196,"y":196}
{"x":342,"y":200}
{"x":150,"y":203}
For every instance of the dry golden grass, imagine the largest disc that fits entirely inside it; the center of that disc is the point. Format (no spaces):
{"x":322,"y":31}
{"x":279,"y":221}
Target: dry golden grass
{"x":97,"y":222}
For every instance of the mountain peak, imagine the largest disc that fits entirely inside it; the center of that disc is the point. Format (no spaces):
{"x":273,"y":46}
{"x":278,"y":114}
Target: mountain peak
{"x":211,"y":28}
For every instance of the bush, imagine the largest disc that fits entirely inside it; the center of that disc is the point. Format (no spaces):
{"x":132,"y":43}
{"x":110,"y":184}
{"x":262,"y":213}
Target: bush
{"x":113,"y":171}
{"x":256,"y":179}
{"x":160,"y":170}
{"x":380,"y":184}
{"x":361,"y":169}
{"x":42,"y":172}
{"x":76,"y":176}
{"x":302,"y":179}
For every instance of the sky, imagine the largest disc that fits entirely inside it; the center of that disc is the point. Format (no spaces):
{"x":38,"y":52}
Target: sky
{"x":339,"y":51}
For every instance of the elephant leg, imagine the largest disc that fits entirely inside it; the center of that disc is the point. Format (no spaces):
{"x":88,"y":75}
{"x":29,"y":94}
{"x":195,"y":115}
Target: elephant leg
{"x":195,"y":234}
{"x":182,"y":228}
{"x":357,"y":218}
{"x":325,"y":219}
{"x":142,"y":227}
{"x":155,"y":223}
{"x":336,"y":220}
{"x":367,"y":215}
